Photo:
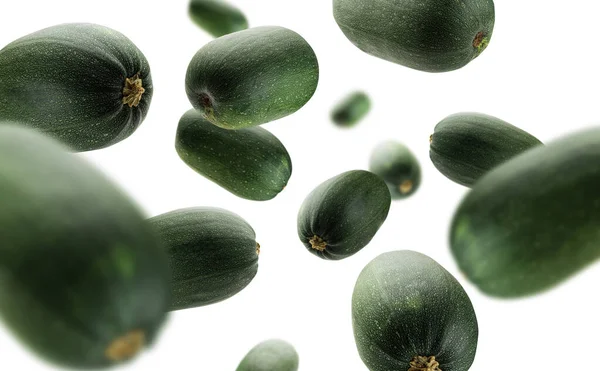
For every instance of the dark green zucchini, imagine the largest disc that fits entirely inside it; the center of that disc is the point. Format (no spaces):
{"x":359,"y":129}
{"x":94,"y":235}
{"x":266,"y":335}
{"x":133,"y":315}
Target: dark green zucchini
{"x":532,"y":222}
{"x":350,"y":110}
{"x":250,"y":163}
{"x":271,"y":355}
{"x":427,"y":35}
{"x":341,"y":216}
{"x":84,"y":84}
{"x":410,"y":314}
{"x":252,"y":77}
{"x":217,"y":17}
{"x":213,"y":254}
{"x":83,"y":281}
{"x":465,"y":146}
{"x":400,"y":169}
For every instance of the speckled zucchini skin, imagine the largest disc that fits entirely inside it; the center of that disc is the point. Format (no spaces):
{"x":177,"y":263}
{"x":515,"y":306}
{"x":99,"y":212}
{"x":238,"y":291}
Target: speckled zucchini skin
{"x":465,"y":146}
{"x":351,"y":110}
{"x":532,"y":222}
{"x":271,"y":355}
{"x":79,"y":267}
{"x":250,"y":163}
{"x":67,"y":81}
{"x":397,"y":165}
{"x":213,"y":254}
{"x":406,"y":305}
{"x":252,"y":77}
{"x":217,"y":17}
{"x":341,"y":216}
{"x":426,"y":35}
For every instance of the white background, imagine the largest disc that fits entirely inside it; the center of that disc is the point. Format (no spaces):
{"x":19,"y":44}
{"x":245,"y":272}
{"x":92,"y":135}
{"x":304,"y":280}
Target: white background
{"x":540,"y":73}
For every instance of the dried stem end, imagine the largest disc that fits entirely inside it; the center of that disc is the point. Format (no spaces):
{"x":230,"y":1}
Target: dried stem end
{"x":406,"y":186}
{"x":317,"y":243}
{"x":126,"y":346}
{"x":133,"y":91}
{"x":257,"y":248}
{"x":480,"y":42}
{"x":420,"y":363}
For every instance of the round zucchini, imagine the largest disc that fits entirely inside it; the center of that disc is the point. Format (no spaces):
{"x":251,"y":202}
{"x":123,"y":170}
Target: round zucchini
{"x":465,"y":146}
{"x":83,"y":84}
{"x":350,"y":110}
{"x":341,"y":216}
{"x":252,"y":77}
{"x":400,"y":169}
{"x":531,"y":223}
{"x":217,"y":17}
{"x":428,"y":35}
{"x":213,"y":254}
{"x":84,"y":282}
{"x":271,"y":355}
{"x":410,"y":314}
{"x":250,"y":163}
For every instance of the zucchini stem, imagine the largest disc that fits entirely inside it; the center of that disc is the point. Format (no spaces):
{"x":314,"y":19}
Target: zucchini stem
{"x":133,"y":90}
{"x":420,"y":363}
{"x":406,"y":186}
{"x":317,"y":243}
{"x":257,"y":248}
{"x":126,"y":346}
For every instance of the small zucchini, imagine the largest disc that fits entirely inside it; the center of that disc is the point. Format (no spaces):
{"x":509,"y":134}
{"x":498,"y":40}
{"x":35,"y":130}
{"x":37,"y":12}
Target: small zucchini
{"x":342,"y":215}
{"x":400,"y":169}
{"x":213,"y":254}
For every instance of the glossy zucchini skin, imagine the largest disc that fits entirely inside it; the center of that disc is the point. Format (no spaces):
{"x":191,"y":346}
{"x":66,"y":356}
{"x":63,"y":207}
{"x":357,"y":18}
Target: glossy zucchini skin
{"x":77,"y":83}
{"x":252,"y":77}
{"x":271,"y":355}
{"x":399,"y":168}
{"x":465,"y":146}
{"x":217,"y":17}
{"x":427,"y":35}
{"x":341,"y":215}
{"x":531,"y":223}
{"x":213,"y":254}
{"x":351,"y":110}
{"x":409,"y":312}
{"x":84,"y":283}
{"x":251,"y":163}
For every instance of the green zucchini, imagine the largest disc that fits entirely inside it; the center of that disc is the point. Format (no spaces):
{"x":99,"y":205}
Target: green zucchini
{"x":217,"y":17}
{"x":531,"y":223}
{"x":270,"y":355}
{"x":341,"y":216}
{"x":427,"y":35}
{"x":350,"y":110}
{"x":84,"y":283}
{"x":84,"y":84}
{"x":252,"y":77}
{"x":465,"y":146}
{"x":411,"y":314}
{"x":213,"y":254}
{"x":250,"y":163}
{"x":397,"y":165}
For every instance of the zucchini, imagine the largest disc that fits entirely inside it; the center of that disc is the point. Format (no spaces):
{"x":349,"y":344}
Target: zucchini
{"x":250,"y":163}
{"x":217,"y":17}
{"x":271,"y":355}
{"x":465,"y":146}
{"x":410,"y":314}
{"x":86,"y":85}
{"x":84,"y":283}
{"x":400,"y":169}
{"x":213,"y":254}
{"x":427,"y":35}
{"x":352,"y":109}
{"x":531,"y":223}
{"x":341,"y":216}
{"x":252,"y":77}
